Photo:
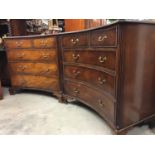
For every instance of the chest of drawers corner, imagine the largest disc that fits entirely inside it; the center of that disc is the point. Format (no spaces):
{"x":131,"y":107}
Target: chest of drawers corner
{"x":33,"y":63}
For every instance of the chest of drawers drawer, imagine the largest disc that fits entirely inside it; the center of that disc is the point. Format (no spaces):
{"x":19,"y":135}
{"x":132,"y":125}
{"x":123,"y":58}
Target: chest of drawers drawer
{"x":93,"y":77}
{"x":43,"y":69}
{"x":97,"y":100}
{"x":32,"y":55}
{"x":75,"y":40}
{"x":18,"y":43}
{"x":106,"y":37}
{"x":106,"y":59}
{"x":44,"y":42}
{"x":38,"y":82}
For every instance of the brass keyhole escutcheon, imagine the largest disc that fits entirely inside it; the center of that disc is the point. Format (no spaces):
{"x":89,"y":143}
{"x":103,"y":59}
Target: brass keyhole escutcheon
{"x":100,"y":102}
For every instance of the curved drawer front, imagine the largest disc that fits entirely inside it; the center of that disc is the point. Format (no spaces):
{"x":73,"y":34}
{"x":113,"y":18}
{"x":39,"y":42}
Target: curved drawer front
{"x":91,"y":76}
{"x":105,"y":59}
{"x":75,"y":40}
{"x":96,"y":100}
{"x":32,"y":55}
{"x":104,"y":37}
{"x":45,"y":42}
{"x":30,"y":81}
{"x":42,"y":69}
{"x":18,"y":43}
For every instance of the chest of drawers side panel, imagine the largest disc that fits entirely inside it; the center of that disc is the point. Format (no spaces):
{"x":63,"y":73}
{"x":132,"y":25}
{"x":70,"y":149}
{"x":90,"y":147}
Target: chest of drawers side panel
{"x":137,"y":97}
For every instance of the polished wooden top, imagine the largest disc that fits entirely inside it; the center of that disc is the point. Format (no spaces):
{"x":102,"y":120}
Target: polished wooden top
{"x":86,"y":30}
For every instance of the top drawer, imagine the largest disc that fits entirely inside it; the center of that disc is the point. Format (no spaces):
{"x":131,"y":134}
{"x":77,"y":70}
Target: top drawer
{"x":104,"y":37}
{"x":75,"y":40}
{"x":18,"y":43}
{"x":44,"y":42}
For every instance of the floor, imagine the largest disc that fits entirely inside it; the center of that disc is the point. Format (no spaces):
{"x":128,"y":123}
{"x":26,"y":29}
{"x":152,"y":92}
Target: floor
{"x":38,"y":113}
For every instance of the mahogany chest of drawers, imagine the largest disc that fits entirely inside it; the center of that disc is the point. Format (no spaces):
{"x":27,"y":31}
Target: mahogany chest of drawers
{"x":33,"y":63}
{"x":90,"y":69}
{"x":110,"y":69}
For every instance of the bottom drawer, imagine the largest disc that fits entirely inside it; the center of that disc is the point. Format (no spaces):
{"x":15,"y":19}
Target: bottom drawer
{"x":38,"y":82}
{"x":102,"y":104}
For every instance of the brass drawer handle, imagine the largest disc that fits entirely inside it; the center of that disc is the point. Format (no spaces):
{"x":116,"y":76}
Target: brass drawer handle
{"x":20,"y":55}
{"x":45,"y":72}
{"x":102,"y":80}
{"x":76,"y":91}
{"x":76,"y":73}
{"x":43,"y":42}
{"x":19,"y":43}
{"x":76,"y":57}
{"x":22,"y":67}
{"x":45,"y":56}
{"x":100,"y":102}
{"x":102,"y":38}
{"x":102,"y":59}
{"x":74,"y":41}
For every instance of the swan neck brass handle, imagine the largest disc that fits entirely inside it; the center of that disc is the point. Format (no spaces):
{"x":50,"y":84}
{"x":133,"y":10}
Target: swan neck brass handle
{"x":102,"y":80}
{"x":100,"y":102}
{"x":22,"y":67}
{"x":45,"y":72}
{"x":76,"y":91}
{"x":21,"y":55}
{"x":76,"y":73}
{"x":75,"y":57}
{"x":74,"y":41}
{"x":102,"y":59}
{"x":19,"y":43}
{"x":43,"y":42}
{"x":102,"y":38}
{"x":45,"y":56}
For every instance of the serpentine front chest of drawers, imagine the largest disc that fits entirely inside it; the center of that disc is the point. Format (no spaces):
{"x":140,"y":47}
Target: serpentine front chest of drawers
{"x":110,"y":69}
{"x":33,"y":63}
{"x":90,"y":69}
